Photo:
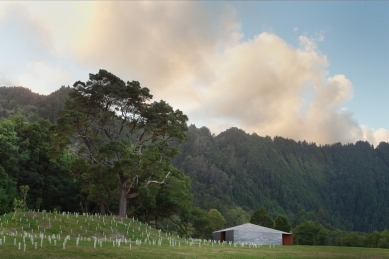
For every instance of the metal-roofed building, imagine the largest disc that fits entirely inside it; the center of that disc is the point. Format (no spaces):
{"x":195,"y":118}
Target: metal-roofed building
{"x":250,"y":233}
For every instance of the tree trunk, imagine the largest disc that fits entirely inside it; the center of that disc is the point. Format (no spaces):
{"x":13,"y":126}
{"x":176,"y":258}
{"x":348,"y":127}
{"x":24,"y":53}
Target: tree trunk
{"x":102,"y":208}
{"x":148,"y":218}
{"x":156,"y":222}
{"x":82,"y":207}
{"x":86,"y":205}
{"x":123,"y":200}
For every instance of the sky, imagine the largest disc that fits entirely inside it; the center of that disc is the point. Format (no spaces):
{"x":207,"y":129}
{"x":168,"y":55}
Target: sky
{"x":307,"y":70}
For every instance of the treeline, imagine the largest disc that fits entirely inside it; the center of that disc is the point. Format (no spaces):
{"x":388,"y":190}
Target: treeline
{"x":33,"y":106}
{"x":313,"y":233}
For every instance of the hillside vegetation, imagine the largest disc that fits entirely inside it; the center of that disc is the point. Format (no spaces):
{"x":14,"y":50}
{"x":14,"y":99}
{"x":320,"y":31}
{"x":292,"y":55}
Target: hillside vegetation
{"x":339,"y":186}
{"x":14,"y":100}
{"x":345,"y":186}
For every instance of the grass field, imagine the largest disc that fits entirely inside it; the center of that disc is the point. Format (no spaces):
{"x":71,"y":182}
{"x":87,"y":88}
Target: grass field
{"x":53,"y":235}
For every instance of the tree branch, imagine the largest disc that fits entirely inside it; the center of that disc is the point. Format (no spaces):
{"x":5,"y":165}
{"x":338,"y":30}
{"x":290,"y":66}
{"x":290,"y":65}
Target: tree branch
{"x":184,"y":230}
{"x":133,"y":195}
{"x":156,"y":182}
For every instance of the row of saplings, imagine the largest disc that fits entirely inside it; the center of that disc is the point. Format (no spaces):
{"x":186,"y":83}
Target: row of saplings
{"x":308,"y":233}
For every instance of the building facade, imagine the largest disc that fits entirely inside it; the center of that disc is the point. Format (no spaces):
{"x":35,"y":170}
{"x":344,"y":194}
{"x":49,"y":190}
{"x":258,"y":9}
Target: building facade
{"x":254,"y":234}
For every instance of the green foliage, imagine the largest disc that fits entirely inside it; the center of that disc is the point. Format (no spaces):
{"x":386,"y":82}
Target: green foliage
{"x":38,"y":203}
{"x":18,"y":205}
{"x":216,"y":219}
{"x":237,"y":216}
{"x":348,"y":183}
{"x":282,"y":223}
{"x":19,"y":100}
{"x":353,"y":239}
{"x":383,"y":242}
{"x":171,"y":200}
{"x":24,"y":189}
{"x":262,"y":218}
{"x":24,"y":161}
{"x":201,"y":224}
{"x":372,"y":239}
{"x":309,"y":233}
{"x":125,"y":140}
{"x":343,"y":186}
{"x":7,"y":191}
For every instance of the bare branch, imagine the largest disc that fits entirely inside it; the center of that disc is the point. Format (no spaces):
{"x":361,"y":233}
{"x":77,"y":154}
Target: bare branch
{"x":134,"y":180}
{"x":156,"y":182}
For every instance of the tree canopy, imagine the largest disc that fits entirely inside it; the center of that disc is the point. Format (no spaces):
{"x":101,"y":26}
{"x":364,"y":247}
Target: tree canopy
{"x":24,"y":161}
{"x":216,"y":218}
{"x":124,"y":139}
{"x":262,"y":218}
{"x":282,"y":223}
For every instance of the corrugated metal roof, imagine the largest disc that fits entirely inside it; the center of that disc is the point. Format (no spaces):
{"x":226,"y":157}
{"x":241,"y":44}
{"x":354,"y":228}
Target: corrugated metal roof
{"x":253,"y":227}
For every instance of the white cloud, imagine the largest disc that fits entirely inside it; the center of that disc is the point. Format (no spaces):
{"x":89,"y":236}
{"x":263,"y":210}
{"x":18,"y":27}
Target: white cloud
{"x":375,"y":136}
{"x":30,"y":55}
{"x":192,"y":58}
{"x":44,"y":78}
{"x":23,"y":34}
{"x":169,"y":47}
{"x":219,"y":80}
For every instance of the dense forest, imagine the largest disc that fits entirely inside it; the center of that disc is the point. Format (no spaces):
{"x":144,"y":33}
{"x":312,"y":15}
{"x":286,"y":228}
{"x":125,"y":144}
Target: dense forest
{"x":337,"y":187}
{"x":33,"y":106}
{"x":345,"y":186}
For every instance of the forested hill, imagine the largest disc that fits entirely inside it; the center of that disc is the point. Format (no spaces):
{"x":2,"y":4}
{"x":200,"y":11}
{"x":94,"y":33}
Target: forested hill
{"x":341,"y":186}
{"x":344,"y":186}
{"x":33,"y":106}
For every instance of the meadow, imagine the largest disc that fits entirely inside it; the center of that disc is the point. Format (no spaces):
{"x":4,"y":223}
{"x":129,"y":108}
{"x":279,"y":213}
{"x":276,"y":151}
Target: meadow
{"x":65,"y":235}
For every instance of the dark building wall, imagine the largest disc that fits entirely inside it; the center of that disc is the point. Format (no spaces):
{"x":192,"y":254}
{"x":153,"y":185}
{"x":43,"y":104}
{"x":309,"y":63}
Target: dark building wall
{"x":230,"y":236}
{"x":216,"y":236}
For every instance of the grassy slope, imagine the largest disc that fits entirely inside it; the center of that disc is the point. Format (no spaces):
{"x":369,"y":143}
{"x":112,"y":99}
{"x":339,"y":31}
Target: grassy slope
{"x":86,"y":228}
